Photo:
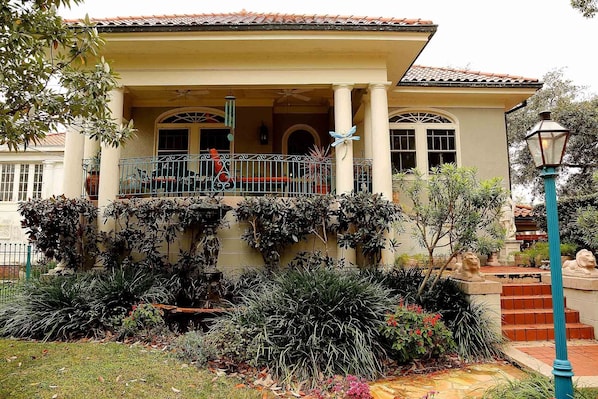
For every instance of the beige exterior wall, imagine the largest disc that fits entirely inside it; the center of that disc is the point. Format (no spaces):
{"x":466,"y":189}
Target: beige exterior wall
{"x":483,"y":141}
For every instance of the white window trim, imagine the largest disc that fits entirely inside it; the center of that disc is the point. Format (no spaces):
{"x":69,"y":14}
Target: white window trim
{"x":17,"y":177}
{"x":194,"y":129}
{"x":421,"y":141}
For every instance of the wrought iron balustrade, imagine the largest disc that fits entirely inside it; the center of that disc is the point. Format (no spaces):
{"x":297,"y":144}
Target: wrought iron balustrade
{"x":237,"y":174}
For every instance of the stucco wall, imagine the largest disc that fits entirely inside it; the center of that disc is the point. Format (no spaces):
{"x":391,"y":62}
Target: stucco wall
{"x":483,"y":145}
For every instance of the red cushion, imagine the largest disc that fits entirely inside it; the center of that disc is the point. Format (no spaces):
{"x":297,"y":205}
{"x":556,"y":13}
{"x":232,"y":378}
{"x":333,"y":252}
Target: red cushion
{"x":267,"y":179}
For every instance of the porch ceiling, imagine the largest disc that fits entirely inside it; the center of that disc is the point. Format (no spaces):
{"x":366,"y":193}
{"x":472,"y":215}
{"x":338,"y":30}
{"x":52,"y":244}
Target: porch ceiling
{"x":260,"y":96}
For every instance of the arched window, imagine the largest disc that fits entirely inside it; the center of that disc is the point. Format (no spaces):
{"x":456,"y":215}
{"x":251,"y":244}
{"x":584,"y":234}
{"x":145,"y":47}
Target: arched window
{"x":191,"y":131}
{"x":422,"y":140}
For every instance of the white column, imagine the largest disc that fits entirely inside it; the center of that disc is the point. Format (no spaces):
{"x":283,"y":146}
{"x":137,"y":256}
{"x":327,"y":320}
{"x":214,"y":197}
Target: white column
{"x":109,"y":171}
{"x":368,"y":144}
{"x":73,"y":161}
{"x":381,"y":164}
{"x":343,"y":121}
{"x":92,"y":146}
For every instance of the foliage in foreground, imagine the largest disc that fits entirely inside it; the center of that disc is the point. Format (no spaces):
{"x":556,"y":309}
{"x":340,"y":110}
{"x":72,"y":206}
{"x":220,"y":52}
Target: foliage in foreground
{"x":415,"y":334}
{"x":452,"y":208}
{"x":109,"y":370}
{"x":83,"y":305}
{"x":535,"y":386}
{"x":314,"y":323}
{"x":48,"y":79}
{"x":469,"y":323}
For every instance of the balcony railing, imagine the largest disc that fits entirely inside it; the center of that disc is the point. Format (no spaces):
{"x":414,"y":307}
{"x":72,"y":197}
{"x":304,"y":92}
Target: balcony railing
{"x":238,"y":174}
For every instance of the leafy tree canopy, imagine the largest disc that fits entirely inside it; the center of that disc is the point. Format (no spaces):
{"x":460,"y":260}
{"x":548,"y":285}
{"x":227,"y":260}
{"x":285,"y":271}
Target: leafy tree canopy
{"x":588,"y":8}
{"x":571,"y":108}
{"x":48,"y":78}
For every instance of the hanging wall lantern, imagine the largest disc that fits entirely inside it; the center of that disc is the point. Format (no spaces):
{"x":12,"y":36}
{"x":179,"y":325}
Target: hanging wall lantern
{"x":263,"y":133}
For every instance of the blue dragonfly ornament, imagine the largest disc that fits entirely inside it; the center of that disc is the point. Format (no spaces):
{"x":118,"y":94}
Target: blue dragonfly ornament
{"x":344,"y":138}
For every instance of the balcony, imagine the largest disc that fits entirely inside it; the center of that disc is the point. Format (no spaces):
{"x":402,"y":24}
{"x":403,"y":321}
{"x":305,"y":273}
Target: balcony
{"x":226,"y":174}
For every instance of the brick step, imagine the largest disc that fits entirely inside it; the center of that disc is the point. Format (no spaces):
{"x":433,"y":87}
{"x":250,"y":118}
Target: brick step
{"x":525,"y":289}
{"x":535,"y":316}
{"x":543,"y":332}
{"x":527,"y":302}
{"x":526,"y":311}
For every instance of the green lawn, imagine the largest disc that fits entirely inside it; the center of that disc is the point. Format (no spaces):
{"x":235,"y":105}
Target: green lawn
{"x":57,"y":370}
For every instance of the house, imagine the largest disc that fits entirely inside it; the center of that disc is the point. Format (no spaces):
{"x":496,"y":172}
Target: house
{"x":232,"y":103}
{"x":34,"y":171}
{"x":527,"y":230}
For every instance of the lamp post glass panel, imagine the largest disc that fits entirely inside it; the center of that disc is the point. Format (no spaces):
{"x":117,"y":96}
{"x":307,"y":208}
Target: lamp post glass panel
{"x":547,"y":141}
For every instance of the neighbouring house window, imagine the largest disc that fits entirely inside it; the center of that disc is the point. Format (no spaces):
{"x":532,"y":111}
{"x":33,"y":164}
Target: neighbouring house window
{"x":23,"y":182}
{"x":7,"y":182}
{"x":422,"y":140}
{"x":18,"y":182}
{"x":38,"y":172}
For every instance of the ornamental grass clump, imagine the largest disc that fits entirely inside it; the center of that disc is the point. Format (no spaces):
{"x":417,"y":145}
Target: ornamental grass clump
{"x":82,"y":305}
{"x":311,"y":324}
{"x":413,"y":334}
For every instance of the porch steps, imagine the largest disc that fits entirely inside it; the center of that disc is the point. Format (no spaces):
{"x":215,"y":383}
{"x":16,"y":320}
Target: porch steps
{"x":526,"y":310}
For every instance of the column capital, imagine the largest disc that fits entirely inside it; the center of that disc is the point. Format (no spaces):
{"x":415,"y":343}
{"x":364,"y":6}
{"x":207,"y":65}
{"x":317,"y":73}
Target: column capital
{"x":378,"y":85}
{"x":337,"y":86}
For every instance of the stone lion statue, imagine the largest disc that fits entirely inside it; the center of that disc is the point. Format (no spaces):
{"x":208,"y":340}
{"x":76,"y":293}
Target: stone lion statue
{"x":584,"y":265}
{"x":468,"y":269}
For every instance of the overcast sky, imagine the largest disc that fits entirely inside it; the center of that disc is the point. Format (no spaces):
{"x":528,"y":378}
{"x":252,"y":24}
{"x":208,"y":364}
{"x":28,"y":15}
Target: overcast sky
{"x":519,"y":37}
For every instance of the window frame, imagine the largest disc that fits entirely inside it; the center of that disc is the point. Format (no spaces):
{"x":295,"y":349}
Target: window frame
{"x":194,"y":120}
{"x":421,"y":121}
{"x":26,"y":181}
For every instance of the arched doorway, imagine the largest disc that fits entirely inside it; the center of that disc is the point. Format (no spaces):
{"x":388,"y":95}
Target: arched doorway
{"x":299,"y":142}
{"x":298,"y":139}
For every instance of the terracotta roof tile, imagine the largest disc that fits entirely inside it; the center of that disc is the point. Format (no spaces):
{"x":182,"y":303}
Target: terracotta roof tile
{"x":52,"y":140}
{"x":523,"y":211}
{"x":257,"y":21}
{"x":436,"y":76}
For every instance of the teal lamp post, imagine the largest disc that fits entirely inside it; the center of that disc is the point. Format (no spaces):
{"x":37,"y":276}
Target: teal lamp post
{"x":546,"y":142}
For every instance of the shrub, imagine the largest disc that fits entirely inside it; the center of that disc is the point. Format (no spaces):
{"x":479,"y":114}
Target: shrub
{"x":273,"y":224}
{"x":474,"y":335}
{"x":469,"y":324}
{"x":143,"y":322}
{"x":364,"y":220}
{"x":415,"y":334}
{"x":82,"y":305}
{"x":535,"y":386}
{"x":65,"y":229}
{"x":193,"y":347}
{"x":232,"y":341}
{"x":316,"y":322}
{"x":338,"y":387}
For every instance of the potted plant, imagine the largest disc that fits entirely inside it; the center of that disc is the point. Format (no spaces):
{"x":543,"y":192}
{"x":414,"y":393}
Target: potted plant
{"x":318,"y":168}
{"x":92,"y":180}
{"x":567,"y":251}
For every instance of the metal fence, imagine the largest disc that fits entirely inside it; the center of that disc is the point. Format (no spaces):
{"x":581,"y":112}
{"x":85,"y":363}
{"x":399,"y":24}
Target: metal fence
{"x":19,"y":262}
{"x":237,"y":174}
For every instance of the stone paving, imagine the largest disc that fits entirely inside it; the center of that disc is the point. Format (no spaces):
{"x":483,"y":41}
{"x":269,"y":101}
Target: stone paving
{"x":467,"y":383}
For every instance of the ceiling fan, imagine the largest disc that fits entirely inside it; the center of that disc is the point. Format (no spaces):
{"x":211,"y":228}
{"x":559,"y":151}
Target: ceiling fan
{"x":183,"y":94}
{"x":285,"y":94}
